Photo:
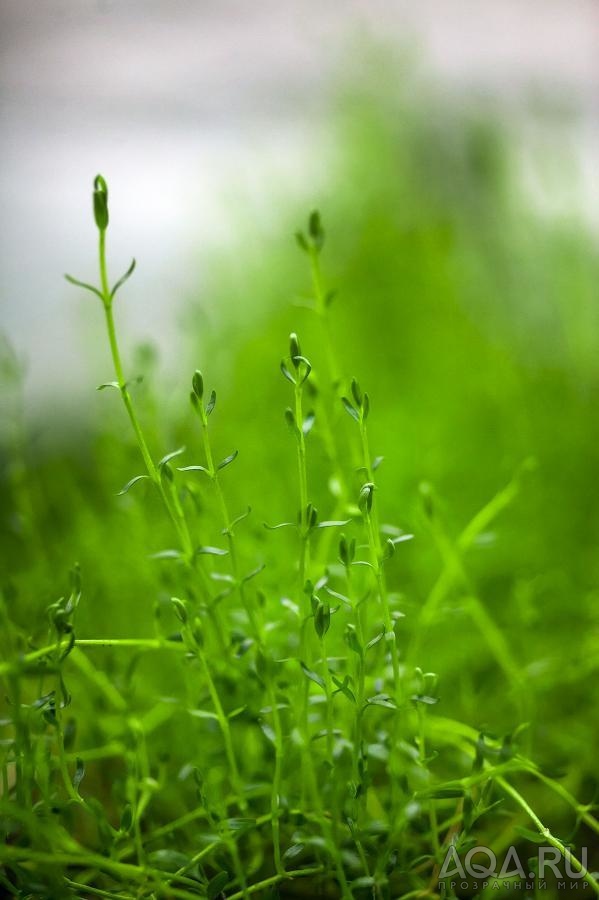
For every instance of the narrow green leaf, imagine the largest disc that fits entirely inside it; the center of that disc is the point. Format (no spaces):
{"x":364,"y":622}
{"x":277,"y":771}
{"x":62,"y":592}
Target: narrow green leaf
{"x":344,"y":688}
{"x":294,"y":851}
{"x":131,"y":483}
{"x":338,"y":596}
{"x":237,"y":520}
{"x":123,"y":279}
{"x":83,"y":284}
{"x":287,"y":374}
{"x":126,"y":819}
{"x":169,"y":456}
{"x":389,"y":550}
{"x":313,"y":676}
{"x":228,"y":460}
{"x":351,"y":409}
{"x":307,"y":367}
{"x":211,"y":403}
{"x":253,"y":573}
{"x":268,"y":732}
{"x":295,"y":350}
{"x":382,"y":700}
{"x":322,"y":619}
{"x":301,"y":240}
{"x":356,"y":393}
{"x":365,"y":407}
{"x":239,"y":824}
{"x":79,"y":773}
{"x":364,"y":881}
{"x":197,"y":383}
{"x":203,"y":714}
{"x":333,"y":523}
{"x":180,"y":609}
{"x":308,"y":423}
{"x":376,"y":639}
{"x":352,"y":641}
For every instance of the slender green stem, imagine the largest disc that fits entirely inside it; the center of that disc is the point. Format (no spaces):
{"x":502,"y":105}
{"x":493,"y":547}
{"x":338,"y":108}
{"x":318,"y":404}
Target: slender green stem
{"x":307,"y":764}
{"x":62,"y":758}
{"x":432,"y":810}
{"x":225,"y":728}
{"x":454,"y":572}
{"x":227,"y":527}
{"x":374,"y":541}
{"x":97,"y":892}
{"x":278,"y":879}
{"x":329,"y":700}
{"x":360,"y":676}
{"x":328,"y":833}
{"x":546,"y":833}
{"x":301,"y":459}
{"x":172,"y":507}
{"x":118,"y":366}
{"x":324,"y":416}
{"x":376,"y":558}
{"x":330,"y":738}
{"x":275,"y":796}
{"x":124,"y":871}
{"x":16,"y":666}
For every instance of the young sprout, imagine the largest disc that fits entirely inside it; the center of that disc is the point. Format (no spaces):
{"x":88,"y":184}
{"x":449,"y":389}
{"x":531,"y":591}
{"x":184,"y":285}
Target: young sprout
{"x":159,"y":474}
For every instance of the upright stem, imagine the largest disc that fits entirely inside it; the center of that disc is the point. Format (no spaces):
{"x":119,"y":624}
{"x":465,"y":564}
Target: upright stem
{"x":303,"y":599}
{"x":173,"y":509}
{"x":360,"y":679}
{"x":374,"y":540}
{"x":301,"y":465}
{"x":324,"y":419}
{"x":376,"y":556}
{"x":225,"y":730}
{"x":432,"y":810}
{"x":226,"y":520}
{"x":275,"y":796}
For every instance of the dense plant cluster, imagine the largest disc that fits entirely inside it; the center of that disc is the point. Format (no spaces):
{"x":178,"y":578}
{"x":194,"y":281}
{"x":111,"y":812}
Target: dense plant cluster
{"x":269,"y":729}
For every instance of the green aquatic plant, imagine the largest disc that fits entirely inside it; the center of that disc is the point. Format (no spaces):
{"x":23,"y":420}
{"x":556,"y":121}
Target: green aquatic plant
{"x":299,"y":750}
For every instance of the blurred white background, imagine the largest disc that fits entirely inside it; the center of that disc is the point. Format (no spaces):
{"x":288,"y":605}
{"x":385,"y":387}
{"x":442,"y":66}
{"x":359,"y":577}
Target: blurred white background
{"x":192,"y":108}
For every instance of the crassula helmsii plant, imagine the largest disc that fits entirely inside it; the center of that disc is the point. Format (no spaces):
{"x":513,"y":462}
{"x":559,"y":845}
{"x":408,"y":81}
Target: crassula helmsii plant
{"x":317,"y":759}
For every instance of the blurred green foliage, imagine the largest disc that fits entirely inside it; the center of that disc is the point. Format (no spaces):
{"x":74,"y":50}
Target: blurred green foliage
{"x":472,"y":321}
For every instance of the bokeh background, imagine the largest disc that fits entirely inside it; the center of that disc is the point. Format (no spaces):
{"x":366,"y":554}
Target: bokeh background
{"x":203,"y":114}
{"x":452,"y":149}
